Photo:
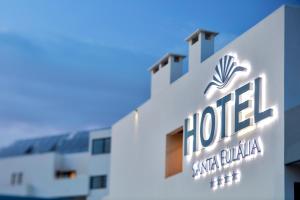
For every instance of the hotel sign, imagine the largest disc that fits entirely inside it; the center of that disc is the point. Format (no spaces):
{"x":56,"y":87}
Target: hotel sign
{"x":241,"y":110}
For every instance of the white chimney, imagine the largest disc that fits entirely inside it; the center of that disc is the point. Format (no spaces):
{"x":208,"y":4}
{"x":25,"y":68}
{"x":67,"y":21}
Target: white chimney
{"x":167,"y":70}
{"x":201,"y":46}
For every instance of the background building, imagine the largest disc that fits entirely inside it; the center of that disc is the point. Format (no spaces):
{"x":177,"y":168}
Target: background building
{"x":68,"y":166}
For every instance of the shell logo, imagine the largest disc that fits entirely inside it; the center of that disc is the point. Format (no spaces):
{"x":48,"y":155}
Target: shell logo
{"x":224,"y":71}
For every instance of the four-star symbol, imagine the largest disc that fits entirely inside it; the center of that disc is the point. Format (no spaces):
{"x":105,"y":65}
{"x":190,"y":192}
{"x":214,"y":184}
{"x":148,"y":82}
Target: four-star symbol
{"x":224,"y":179}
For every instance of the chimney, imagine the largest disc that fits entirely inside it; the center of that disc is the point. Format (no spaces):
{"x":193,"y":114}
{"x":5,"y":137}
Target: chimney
{"x":164,"y":72}
{"x":201,"y":46}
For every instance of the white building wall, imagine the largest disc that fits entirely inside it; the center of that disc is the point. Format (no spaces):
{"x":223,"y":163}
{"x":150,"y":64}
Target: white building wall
{"x":138,"y":145}
{"x":99,"y":164}
{"x":31,"y":174}
{"x":75,"y":161}
{"x":39,"y":173}
{"x":39,"y":177}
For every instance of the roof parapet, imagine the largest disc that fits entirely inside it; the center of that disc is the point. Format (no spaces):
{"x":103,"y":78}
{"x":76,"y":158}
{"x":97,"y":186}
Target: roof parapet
{"x":198,"y":31}
{"x":201,"y":46}
{"x":165,"y":71}
{"x":162,"y":61}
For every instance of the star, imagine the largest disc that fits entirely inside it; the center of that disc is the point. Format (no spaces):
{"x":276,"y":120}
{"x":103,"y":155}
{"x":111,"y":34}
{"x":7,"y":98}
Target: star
{"x":212,"y":183}
{"x":235,"y":175}
{"x":220,"y":180}
{"x":227,"y":178}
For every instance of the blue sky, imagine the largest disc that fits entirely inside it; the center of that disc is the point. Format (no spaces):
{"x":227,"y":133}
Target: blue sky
{"x":69,"y":65}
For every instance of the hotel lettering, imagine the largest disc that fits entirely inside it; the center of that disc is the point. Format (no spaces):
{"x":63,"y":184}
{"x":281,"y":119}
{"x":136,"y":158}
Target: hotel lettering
{"x":236,"y":113}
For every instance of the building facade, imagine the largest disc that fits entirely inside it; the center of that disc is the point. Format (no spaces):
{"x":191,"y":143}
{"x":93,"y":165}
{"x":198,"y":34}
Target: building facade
{"x":226,"y":129}
{"x":69,"y":166}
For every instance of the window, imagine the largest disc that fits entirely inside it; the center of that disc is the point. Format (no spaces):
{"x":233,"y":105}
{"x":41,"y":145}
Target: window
{"x":16,"y":178}
{"x":20,"y":178}
{"x":296,"y":190}
{"x":208,"y":36}
{"x":174,"y":152}
{"x":98,"y":182}
{"x":164,"y":62}
{"x":177,"y":59}
{"x":195,"y":39}
{"x":65,"y":174}
{"x":155,"y":69}
{"x":101,"y":146}
{"x":13,"y":179}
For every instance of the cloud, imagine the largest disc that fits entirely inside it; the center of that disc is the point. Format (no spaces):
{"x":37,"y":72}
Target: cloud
{"x":65,"y":84}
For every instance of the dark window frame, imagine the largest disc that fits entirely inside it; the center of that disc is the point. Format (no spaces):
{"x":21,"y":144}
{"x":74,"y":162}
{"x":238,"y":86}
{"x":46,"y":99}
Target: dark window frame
{"x":16,"y":178}
{"x":13,"y":178}
{"x":155,"y":69}
{"x":20,"y":178}
{"x":101,"y":184}
{"x":195,"y":39}
{"x":105,"y":147}
{"x":164,"y":62}
{"x":177,"y":59}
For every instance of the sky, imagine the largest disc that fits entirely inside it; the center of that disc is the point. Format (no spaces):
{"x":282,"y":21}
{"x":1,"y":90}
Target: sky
{"x":68,"y":65}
